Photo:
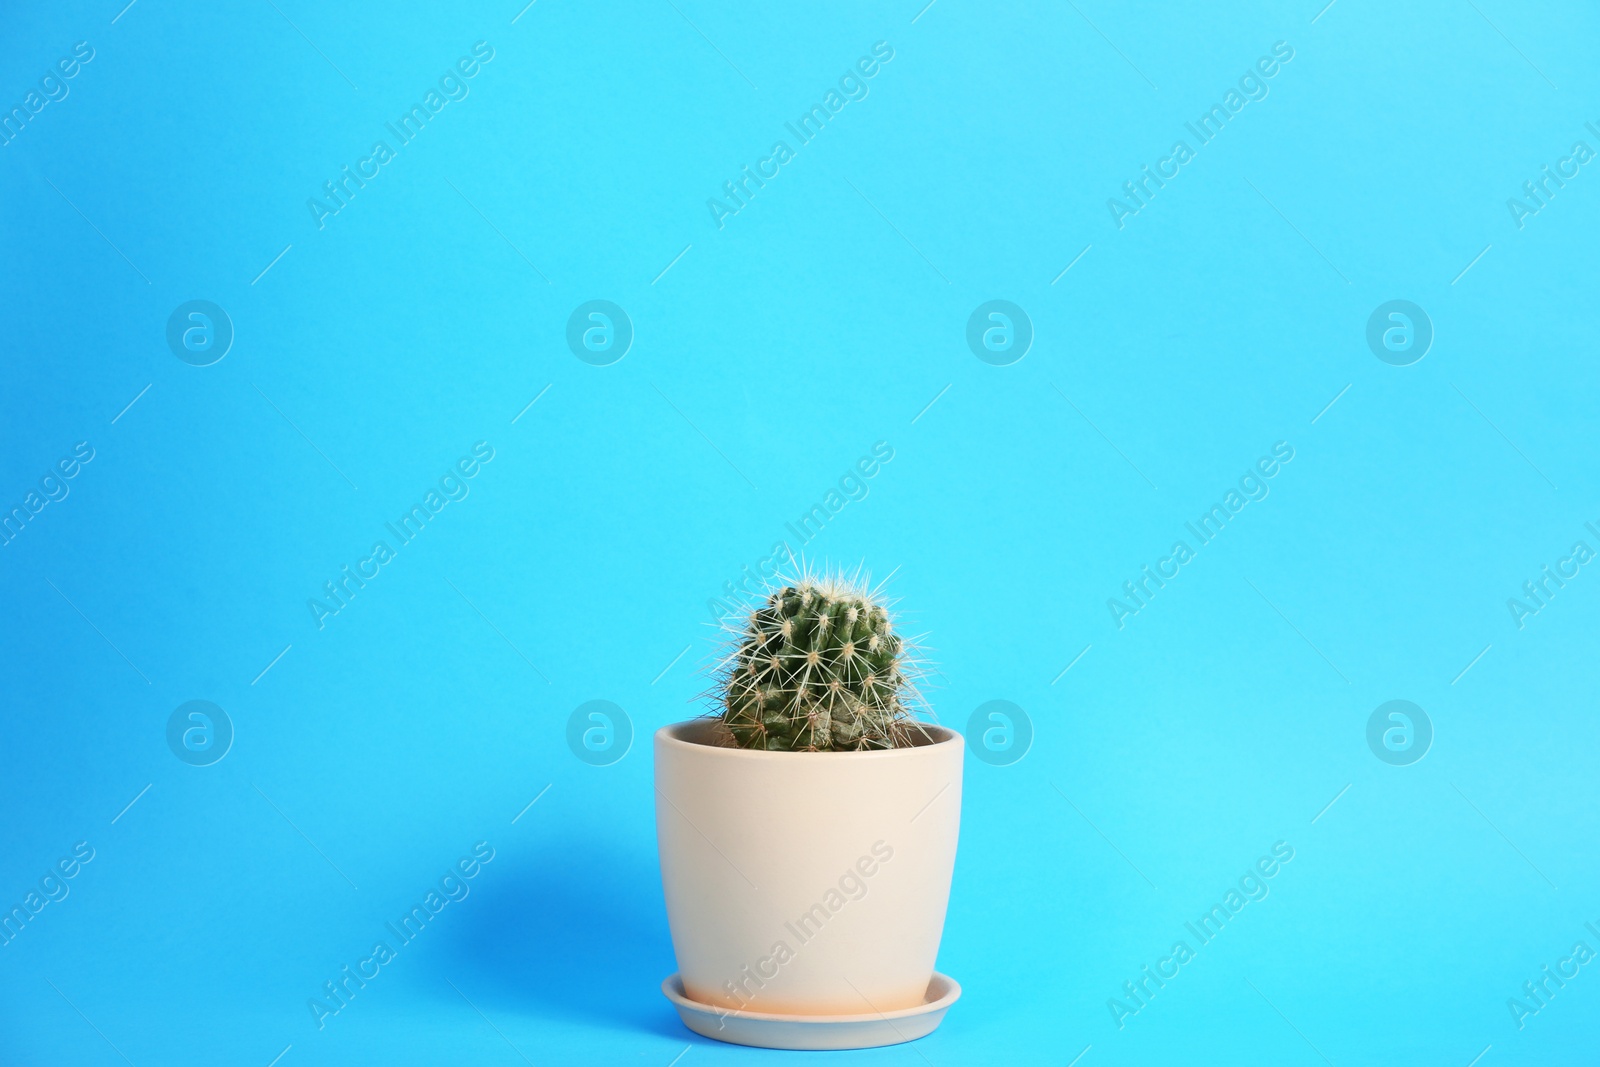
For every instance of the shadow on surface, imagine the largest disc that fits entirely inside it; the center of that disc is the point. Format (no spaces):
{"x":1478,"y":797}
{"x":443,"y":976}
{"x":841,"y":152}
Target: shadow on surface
{"x":572,"y":931}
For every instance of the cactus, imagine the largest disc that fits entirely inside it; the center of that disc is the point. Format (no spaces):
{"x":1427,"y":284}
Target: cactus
{"x":817,"y":667}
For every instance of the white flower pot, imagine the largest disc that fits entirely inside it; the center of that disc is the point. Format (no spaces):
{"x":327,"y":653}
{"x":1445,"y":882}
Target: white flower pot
{"x":809,"y":883}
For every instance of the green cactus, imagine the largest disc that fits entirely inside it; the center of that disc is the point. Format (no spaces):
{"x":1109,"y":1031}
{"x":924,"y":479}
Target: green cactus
{"x":818,"y":667}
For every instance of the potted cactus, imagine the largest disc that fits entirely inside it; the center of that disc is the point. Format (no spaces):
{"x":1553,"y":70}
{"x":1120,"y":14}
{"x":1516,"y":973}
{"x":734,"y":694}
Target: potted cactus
{"x":808,"y":830}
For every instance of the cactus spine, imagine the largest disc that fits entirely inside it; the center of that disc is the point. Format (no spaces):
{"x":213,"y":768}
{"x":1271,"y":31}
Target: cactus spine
{"x":818,"y":667}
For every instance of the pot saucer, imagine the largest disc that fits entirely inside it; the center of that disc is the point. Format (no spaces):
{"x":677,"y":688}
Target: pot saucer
{"x":815,"y":1032}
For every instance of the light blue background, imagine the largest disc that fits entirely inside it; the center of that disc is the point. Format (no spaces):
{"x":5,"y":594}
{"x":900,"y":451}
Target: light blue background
{"x":822,"y":318}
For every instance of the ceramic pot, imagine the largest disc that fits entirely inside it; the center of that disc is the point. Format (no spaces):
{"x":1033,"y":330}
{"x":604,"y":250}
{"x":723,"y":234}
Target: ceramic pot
{"x":806,"y":882}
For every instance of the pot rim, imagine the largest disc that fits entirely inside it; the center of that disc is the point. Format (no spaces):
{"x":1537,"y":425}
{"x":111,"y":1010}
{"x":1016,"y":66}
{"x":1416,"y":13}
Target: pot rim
{"x":948,"y":988}
{"x":669,"y":735}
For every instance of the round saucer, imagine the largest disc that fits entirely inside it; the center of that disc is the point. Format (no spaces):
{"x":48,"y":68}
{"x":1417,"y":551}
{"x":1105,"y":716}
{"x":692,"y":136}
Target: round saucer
{"x":815,"y":1032}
